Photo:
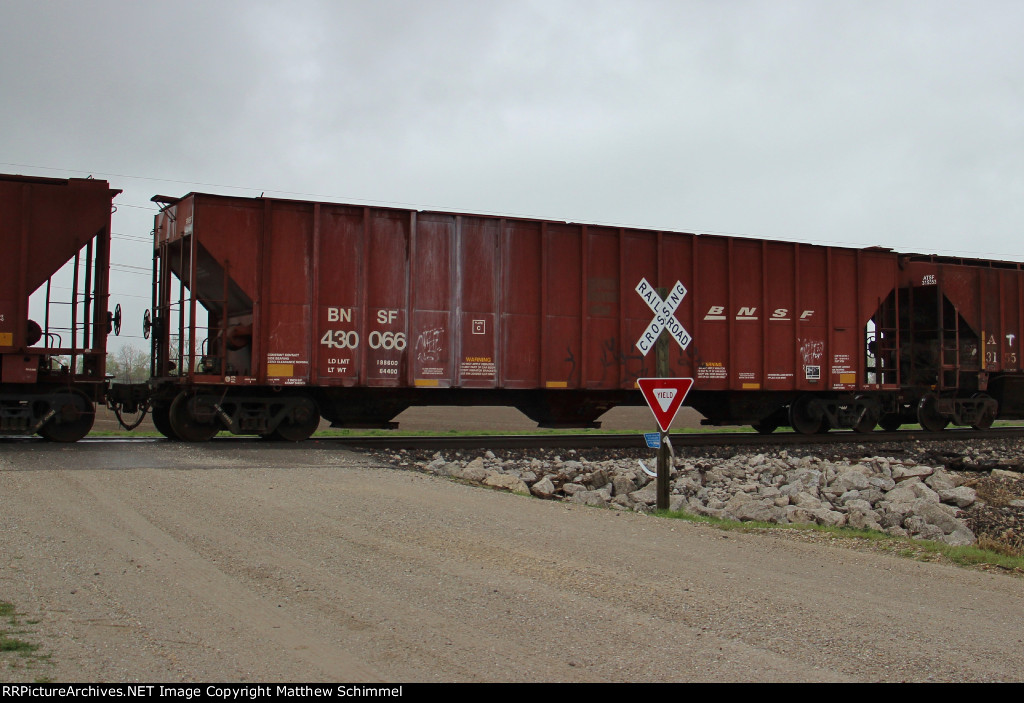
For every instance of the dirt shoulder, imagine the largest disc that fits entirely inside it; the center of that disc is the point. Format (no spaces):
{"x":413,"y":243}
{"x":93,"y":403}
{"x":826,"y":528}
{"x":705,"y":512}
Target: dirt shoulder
{"x":235,"y":562}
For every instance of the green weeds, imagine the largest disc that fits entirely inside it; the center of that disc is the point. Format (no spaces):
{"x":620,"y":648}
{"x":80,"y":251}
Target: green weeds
{"x":16,"y":651}
{"x":983,"y":555}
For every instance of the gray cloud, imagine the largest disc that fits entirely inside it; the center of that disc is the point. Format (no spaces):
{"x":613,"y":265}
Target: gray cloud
{"x":860,"y":123}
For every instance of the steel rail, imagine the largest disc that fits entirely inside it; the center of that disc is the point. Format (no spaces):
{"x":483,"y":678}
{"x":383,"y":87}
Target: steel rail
{"x":630,"y":440}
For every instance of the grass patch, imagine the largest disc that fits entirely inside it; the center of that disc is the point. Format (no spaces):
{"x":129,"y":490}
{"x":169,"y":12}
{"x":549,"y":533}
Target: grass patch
{"x":752,"y":526}
{"x":981,"y":555}
{"x":13,"y":645}
{"x":975,"y":555}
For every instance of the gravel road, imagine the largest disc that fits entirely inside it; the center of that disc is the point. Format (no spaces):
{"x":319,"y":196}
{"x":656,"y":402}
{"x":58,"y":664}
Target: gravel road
{"x":238,"y":561}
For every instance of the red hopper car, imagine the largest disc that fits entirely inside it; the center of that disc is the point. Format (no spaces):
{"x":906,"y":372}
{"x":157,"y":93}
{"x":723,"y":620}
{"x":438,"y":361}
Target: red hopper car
{"x":53,"y":368}
{"x":269,"y":314}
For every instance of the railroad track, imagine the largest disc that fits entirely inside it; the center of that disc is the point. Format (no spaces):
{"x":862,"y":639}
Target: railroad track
{"x":630,"y":440}
{"x":635,"y":440}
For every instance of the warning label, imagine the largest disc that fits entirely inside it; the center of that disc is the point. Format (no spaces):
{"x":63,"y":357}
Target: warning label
{"x":712,"y":370}
{"x":477,"y":366}
{"x":282,"y":368}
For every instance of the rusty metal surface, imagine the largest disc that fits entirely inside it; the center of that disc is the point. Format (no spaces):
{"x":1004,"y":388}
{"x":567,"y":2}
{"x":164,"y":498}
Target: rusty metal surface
{"x":988,"y":296}
{"x":343,"y":295}
{"x":45,"y":223}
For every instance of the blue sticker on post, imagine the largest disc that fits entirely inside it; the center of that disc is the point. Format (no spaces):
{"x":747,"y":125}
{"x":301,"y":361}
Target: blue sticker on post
{"x":653,"y":439}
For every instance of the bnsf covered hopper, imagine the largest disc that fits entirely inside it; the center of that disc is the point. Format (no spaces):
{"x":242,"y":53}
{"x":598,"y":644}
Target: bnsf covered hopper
{"x":279,"y":311}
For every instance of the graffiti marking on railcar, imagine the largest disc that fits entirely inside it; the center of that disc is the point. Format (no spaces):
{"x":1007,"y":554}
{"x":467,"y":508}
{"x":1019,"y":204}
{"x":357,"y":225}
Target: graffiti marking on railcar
{"x":811,"y":350}
{"x":339,"y":314}
{"x":611,"y":357}
{"x":429,"y":345}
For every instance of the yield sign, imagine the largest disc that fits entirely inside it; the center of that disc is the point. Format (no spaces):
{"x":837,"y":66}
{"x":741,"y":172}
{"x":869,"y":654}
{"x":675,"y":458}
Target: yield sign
{"x":664,"y":316}
{"x":665,"y":396}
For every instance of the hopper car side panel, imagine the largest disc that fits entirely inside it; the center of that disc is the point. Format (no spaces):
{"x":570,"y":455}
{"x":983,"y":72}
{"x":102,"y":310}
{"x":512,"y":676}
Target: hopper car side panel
{"x":271,"y":311}
{"x":54,"y":245}
{"x":372,"y":309}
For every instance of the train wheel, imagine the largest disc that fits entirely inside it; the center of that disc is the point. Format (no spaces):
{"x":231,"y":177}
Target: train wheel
{"x":928,"y":414}
{"x":987,"y":417}
{"x":890,"y":422}
{"x":300,"y":424}
{"x":765,"y":426}
{"x":184,"y":423}
{"x":74,"y":418}
{"x":161,"y":415}
{"x":806,"y":417}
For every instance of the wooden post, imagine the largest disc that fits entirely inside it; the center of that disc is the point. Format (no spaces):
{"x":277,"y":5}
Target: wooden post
{"x":662,"y":350}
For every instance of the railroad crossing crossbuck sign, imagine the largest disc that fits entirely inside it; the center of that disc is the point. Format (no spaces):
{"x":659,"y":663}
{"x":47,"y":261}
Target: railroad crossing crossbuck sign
{"x":664,"y":316}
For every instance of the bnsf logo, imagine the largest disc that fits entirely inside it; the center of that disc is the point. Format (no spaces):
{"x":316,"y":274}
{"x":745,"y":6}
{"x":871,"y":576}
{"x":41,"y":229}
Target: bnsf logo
{"x":717,"y":312}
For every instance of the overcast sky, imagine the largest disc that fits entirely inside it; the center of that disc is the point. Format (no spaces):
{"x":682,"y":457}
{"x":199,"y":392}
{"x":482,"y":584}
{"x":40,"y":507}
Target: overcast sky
{"x":856,"y":123}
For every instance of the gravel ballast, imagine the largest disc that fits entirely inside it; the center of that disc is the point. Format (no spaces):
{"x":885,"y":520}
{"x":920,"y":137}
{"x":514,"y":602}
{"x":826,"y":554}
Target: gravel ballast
{"x":952,"y":492}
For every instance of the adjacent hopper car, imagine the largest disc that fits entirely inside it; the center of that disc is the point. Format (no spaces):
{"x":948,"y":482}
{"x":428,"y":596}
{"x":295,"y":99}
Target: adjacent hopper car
{"x":268,"y":314}
{"x":51,"y":376}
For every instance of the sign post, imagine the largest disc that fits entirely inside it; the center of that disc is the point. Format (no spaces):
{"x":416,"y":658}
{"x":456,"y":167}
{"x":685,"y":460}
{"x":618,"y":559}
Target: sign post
{"x":664,"y":396}
{"x":663,"y":304}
